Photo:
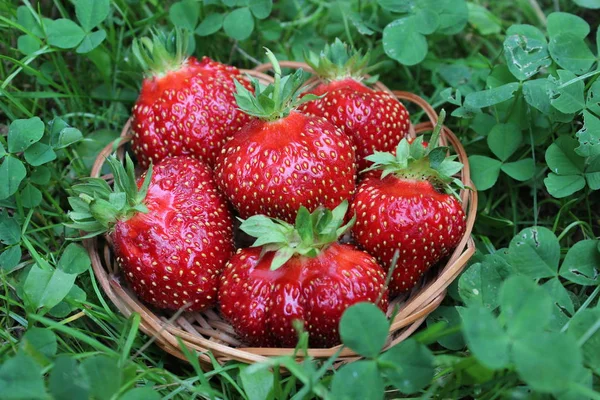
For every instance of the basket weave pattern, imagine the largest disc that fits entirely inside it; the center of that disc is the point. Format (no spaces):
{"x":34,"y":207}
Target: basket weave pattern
{"x":207,"y":331}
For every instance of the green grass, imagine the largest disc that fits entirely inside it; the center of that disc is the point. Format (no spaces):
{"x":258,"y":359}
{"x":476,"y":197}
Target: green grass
{"x":84,"y":341}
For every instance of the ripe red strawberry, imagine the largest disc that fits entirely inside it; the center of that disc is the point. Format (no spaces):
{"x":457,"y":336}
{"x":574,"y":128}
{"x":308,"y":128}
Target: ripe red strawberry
{"x":399,"y":206}
{"x":186,"y":106}
{"x":284,"y":159}
{"x":375,"y":120}
{"x":297,"y":273}
{"x":171,"y":232}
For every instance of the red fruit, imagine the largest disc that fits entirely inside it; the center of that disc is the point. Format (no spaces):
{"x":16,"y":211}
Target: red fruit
{"x":401,"y":208}
{"x":375,"y":120}
{"x":171,"y":238}
{"x":185,"y":108}
{"x":284,"y":160}
{"x":410,"y":216}
{"x":316,"y":288}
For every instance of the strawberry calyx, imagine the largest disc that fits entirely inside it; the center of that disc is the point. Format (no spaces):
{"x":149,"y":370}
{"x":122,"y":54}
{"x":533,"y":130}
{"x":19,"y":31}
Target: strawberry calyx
{"x":337,"y":62}
{"x":311,"y":233}
{"x":277,"y":100}
{"x":415,"y":161}
{"x":161,"y":54}
{"x":97,"y":207}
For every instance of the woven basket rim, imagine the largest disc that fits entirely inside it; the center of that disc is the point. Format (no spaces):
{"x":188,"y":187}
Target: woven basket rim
{"x":170,"y":332}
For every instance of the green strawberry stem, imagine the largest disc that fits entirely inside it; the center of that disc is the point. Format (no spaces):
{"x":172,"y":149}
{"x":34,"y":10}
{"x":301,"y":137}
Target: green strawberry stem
{"x":97,"y":207}
{"x":310,"y":234}
{"x":336,"y":62}
{"x":162,"y":53}
{"x":390,"y":274}
{"x":276,"y":100}
{"x":415,"y":161}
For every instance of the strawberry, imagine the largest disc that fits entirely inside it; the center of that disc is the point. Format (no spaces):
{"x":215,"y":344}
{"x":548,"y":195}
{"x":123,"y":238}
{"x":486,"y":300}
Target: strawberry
{"x":375,"y":120}
{"x":172,"y":231}
{"x":186,"y":106}
{"x":284,"y":159}
{"x":399,"y":206}
{"x":300,"y":273}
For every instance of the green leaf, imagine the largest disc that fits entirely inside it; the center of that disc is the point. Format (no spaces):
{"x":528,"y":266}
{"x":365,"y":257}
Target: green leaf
{"x":484,"y":171}
{"x":39,"y":153}
{"x":71,"y":302}
{"x":89,"y":148}
{"x":91,"y":41}
{"x":27,"y":20}
{"x":504,"y":140}
{"x":358,"y":381}
{"x":484,"y":21}
{"x":567,"y":99}
{"x":261,"y":8}
{"x":592,"y":102}
{"x":46,"y":288}
{"x":593,"y":4}
{"x":427,"y":20}
{"x":521,"y":170}
{"x":22,"y":133}
{"x":408,"y":366}
{"x":185,"y":14}
{"x":257,"y":382}
{"x":450,"y":316}
{"x":141,"y":393}
{"x":536,"y":94}
{"x":21,"y":378}
{"x":525,"y":306}
{"x":10,"y":231}
{"x":489,"y":97}
{"x":582,"y":263}
{"x":453,"y":14}
{"x":64,"y":33}
{"x":547,"y":361}
{"x":74,"y":260}
{"x":561,"y":302}
{"x":31,"y":196}
{"x":562,"y":158}
{"x":12,"y":172}
{"x":210,"y":24}
{"x":571,"y":52}
{"x":361,"y":318}
{"x":281,"y":257}
{"x":480,"y":284}
{"x":485,"y":337}
{"x":10,"y":258}
{"x":397,"y":6}
{"x":304,"y":225}
{"x":525,"y":50}
{"x":91,"y":13}
{"x":67,"y":381}
{"x":28,"y":44}
{"x":239,"y":24}
{"x":560,"y":186}
{"x":584,"y":327}
{"x":399,"y":32}
{"x":589,"y":136}
{"x":40,"y":176}
{"x":41,"y":339}
{"x":66,"y":137}
{"x":104,"y":376}
{"x":482,"y":124}
{"x":259,"y":225}
{"x":561,"y":22}
{"x":535,"y":252}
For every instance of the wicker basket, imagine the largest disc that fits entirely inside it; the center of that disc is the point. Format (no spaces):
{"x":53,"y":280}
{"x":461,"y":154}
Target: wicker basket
{"x":207,"y":332}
